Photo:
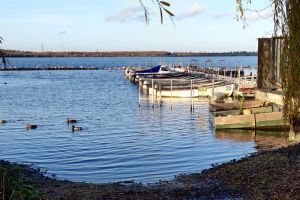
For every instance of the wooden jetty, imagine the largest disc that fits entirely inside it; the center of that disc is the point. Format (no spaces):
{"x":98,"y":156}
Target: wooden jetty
{"x":260,"y":121}
{"x":235,"y":105}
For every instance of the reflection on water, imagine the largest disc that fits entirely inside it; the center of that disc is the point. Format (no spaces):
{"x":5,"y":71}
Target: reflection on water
{"x":264,"y":140}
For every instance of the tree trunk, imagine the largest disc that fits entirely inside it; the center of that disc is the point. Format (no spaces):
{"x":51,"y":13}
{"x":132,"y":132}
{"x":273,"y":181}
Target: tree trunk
{"x":292,"y":134}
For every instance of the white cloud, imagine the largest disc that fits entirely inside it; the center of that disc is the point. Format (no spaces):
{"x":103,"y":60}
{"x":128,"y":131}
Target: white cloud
{"x":191,"y":11}
{"x":259,"y":15}
{"x":130,"y":13}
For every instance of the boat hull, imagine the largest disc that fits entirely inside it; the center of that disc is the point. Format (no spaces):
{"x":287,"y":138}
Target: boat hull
{"x":223,"y":90}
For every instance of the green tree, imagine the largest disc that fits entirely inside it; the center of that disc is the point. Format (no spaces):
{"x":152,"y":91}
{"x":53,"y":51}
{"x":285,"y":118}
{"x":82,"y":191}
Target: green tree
{"x":286,"y":24}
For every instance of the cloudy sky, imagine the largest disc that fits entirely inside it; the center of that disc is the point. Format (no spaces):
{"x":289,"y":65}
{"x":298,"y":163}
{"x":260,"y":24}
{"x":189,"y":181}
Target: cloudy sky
{"x":116,"y":25}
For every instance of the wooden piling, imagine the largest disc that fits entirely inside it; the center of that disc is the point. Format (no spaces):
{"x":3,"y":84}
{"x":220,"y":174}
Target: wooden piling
{"x":171,"y":94}
{"x":152,"y":93}
{"x":191,"y":96}
{"x":193,"y":107}
{"x":213,"y":89}
{"x":140,"y":93}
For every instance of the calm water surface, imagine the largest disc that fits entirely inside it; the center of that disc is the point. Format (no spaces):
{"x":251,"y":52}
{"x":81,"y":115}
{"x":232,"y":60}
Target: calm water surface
{"x":230,"y":61}
{"x":120,"y":141}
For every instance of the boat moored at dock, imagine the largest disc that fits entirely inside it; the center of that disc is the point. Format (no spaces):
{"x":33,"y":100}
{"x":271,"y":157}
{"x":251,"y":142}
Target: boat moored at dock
{"x":160,"y":71}
{"x":193,"y":89}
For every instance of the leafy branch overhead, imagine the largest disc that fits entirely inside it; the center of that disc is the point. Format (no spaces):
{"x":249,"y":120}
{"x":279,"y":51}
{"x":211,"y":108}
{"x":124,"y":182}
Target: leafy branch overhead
{"x":3,"y":59}
{"x":163,"y":8}
{"x":286,"y":16}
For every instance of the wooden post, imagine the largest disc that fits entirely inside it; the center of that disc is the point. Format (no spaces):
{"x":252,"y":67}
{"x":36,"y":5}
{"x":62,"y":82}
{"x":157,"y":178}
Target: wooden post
{"x":171,"y":94}
{"x":152,"y":93}
{"x":252,"y":77}
{"x":213,"y":89}
{"x":239,"y":78}
{"x":156,"y":91}
{"x":191,"y":96}
{"x":140,"y":93}
{"x":160,"y":100}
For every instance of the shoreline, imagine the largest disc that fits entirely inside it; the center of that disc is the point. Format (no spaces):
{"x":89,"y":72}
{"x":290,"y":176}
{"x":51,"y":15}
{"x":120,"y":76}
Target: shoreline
{"x":272,"y":174}
{"x":17,"y":53}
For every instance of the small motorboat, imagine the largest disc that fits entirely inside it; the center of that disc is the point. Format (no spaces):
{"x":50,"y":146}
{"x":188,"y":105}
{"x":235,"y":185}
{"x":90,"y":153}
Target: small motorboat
{"x":160,"y":71}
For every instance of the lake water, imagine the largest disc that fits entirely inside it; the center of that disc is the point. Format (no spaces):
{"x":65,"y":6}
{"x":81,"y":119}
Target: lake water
{"x":230,"y":61}
{"x":120,"y":141}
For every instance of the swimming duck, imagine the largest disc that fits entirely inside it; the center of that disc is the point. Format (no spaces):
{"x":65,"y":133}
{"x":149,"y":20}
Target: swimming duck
{"x":31,"y":126}
{"x":76,"y":128}
{"x":3,"y":121}
{"x":70,"y":120}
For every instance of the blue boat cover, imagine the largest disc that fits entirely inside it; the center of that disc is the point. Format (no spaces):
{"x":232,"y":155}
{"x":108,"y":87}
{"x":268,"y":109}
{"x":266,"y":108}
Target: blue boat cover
{"x":152,"y":70}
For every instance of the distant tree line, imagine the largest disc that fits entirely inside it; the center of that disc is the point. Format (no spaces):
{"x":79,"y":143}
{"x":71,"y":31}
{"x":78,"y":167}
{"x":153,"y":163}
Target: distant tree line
{"x":16,"y":53}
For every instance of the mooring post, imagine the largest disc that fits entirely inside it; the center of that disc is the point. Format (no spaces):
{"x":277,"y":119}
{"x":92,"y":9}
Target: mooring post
{"x":191,"y":96}
{"x":252,"y":77}
{"x":152,"y":93}
{"x":213,"y":89}
{"x":140,"y":93}
{"x":171,"y":94}
{"x":239,"y":78}
{"x":160,"y":100}
{"x":224,"y":74}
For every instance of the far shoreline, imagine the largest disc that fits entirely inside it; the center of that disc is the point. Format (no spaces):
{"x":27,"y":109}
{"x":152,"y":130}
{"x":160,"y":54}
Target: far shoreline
{"x":17,"y":53}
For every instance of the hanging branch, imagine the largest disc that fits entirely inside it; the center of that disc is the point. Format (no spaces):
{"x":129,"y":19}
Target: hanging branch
{"x":240,"y":16}
{"x":288,"y":23}
{"x":3,"y":59}
{"x":163,"y":8}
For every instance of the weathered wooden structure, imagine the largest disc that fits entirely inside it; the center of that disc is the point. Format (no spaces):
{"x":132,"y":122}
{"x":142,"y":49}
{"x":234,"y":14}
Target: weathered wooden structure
{"x":260,"y":121}
{"x":268,"y":72}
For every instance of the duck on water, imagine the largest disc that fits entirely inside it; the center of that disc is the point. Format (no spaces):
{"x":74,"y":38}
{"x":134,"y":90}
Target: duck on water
{"x":76,"y":128}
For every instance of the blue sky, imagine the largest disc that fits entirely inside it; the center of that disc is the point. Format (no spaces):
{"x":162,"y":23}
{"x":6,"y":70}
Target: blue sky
{"x":117,"y":25}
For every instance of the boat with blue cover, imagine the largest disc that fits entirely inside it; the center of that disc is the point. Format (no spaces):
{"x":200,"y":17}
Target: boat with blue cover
{"x":160,"y":71}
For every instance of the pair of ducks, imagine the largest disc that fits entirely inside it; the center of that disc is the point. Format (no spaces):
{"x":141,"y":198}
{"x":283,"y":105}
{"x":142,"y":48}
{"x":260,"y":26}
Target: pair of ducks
{"x":71,"y":121}
{"x":68,"y":121}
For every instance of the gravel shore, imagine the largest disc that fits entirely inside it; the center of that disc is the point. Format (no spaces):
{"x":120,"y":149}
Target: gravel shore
{"x":273,"y":174}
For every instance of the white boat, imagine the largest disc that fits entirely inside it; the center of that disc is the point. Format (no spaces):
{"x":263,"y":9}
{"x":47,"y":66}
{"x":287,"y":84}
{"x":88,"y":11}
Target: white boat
{"x":219,"y":89}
